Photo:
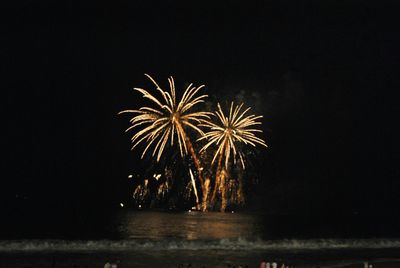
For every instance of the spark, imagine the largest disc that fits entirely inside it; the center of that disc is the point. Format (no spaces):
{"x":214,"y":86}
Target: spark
{"x":168,"y":119}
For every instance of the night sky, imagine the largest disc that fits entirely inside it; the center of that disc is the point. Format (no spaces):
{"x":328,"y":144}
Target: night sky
{"x":323,"y":73}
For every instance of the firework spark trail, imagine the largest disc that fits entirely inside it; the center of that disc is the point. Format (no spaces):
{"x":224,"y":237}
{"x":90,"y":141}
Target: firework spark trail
{"x":194,"y":188}
{"x":141,"y":192}
{"x":230,"y":130}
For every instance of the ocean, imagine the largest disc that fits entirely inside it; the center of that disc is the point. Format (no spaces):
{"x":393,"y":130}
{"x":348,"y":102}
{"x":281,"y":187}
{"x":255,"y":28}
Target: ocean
{"x":195,"y":239}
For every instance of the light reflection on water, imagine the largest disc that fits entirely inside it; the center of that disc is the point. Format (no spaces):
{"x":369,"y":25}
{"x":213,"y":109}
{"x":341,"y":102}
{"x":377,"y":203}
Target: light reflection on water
{"x":188,"y":226}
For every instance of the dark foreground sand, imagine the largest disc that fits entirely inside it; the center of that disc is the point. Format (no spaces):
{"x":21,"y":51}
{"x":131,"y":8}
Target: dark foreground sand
{"x":375,"y":264}
{"x":181,"y":259}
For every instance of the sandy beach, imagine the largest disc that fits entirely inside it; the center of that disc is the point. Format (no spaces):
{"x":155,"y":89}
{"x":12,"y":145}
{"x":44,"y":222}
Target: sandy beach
{"x":175,"y":260}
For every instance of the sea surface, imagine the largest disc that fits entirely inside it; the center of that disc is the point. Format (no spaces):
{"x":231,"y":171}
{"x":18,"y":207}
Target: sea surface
{"x":196,"y":239}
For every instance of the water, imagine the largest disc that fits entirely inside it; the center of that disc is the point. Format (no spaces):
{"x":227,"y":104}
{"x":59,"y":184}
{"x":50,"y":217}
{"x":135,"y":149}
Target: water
{"x":163,"y":239}
{"x":188,"y":226}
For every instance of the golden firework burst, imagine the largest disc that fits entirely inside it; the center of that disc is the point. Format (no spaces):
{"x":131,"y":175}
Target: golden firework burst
{"x":167,"y":119}
{"x":230,"y":130}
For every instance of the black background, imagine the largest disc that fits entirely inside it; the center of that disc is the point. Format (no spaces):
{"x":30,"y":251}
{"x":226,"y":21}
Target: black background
{"x":323,"y":73}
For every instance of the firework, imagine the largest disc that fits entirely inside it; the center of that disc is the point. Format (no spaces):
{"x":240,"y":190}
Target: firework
{"x":168,"y":120}
{"x":235,"y":128}
{"x":226,"y":134}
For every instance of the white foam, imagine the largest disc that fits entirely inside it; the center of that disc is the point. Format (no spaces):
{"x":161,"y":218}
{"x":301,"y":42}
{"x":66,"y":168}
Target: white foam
{"x":222,"y":244}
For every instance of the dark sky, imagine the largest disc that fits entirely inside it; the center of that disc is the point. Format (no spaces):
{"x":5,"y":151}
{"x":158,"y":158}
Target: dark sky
{"x":323,"y":73}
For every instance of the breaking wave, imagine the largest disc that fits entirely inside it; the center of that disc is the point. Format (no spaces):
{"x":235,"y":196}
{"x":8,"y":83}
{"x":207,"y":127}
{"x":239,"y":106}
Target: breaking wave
{"x":221,"y":244}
